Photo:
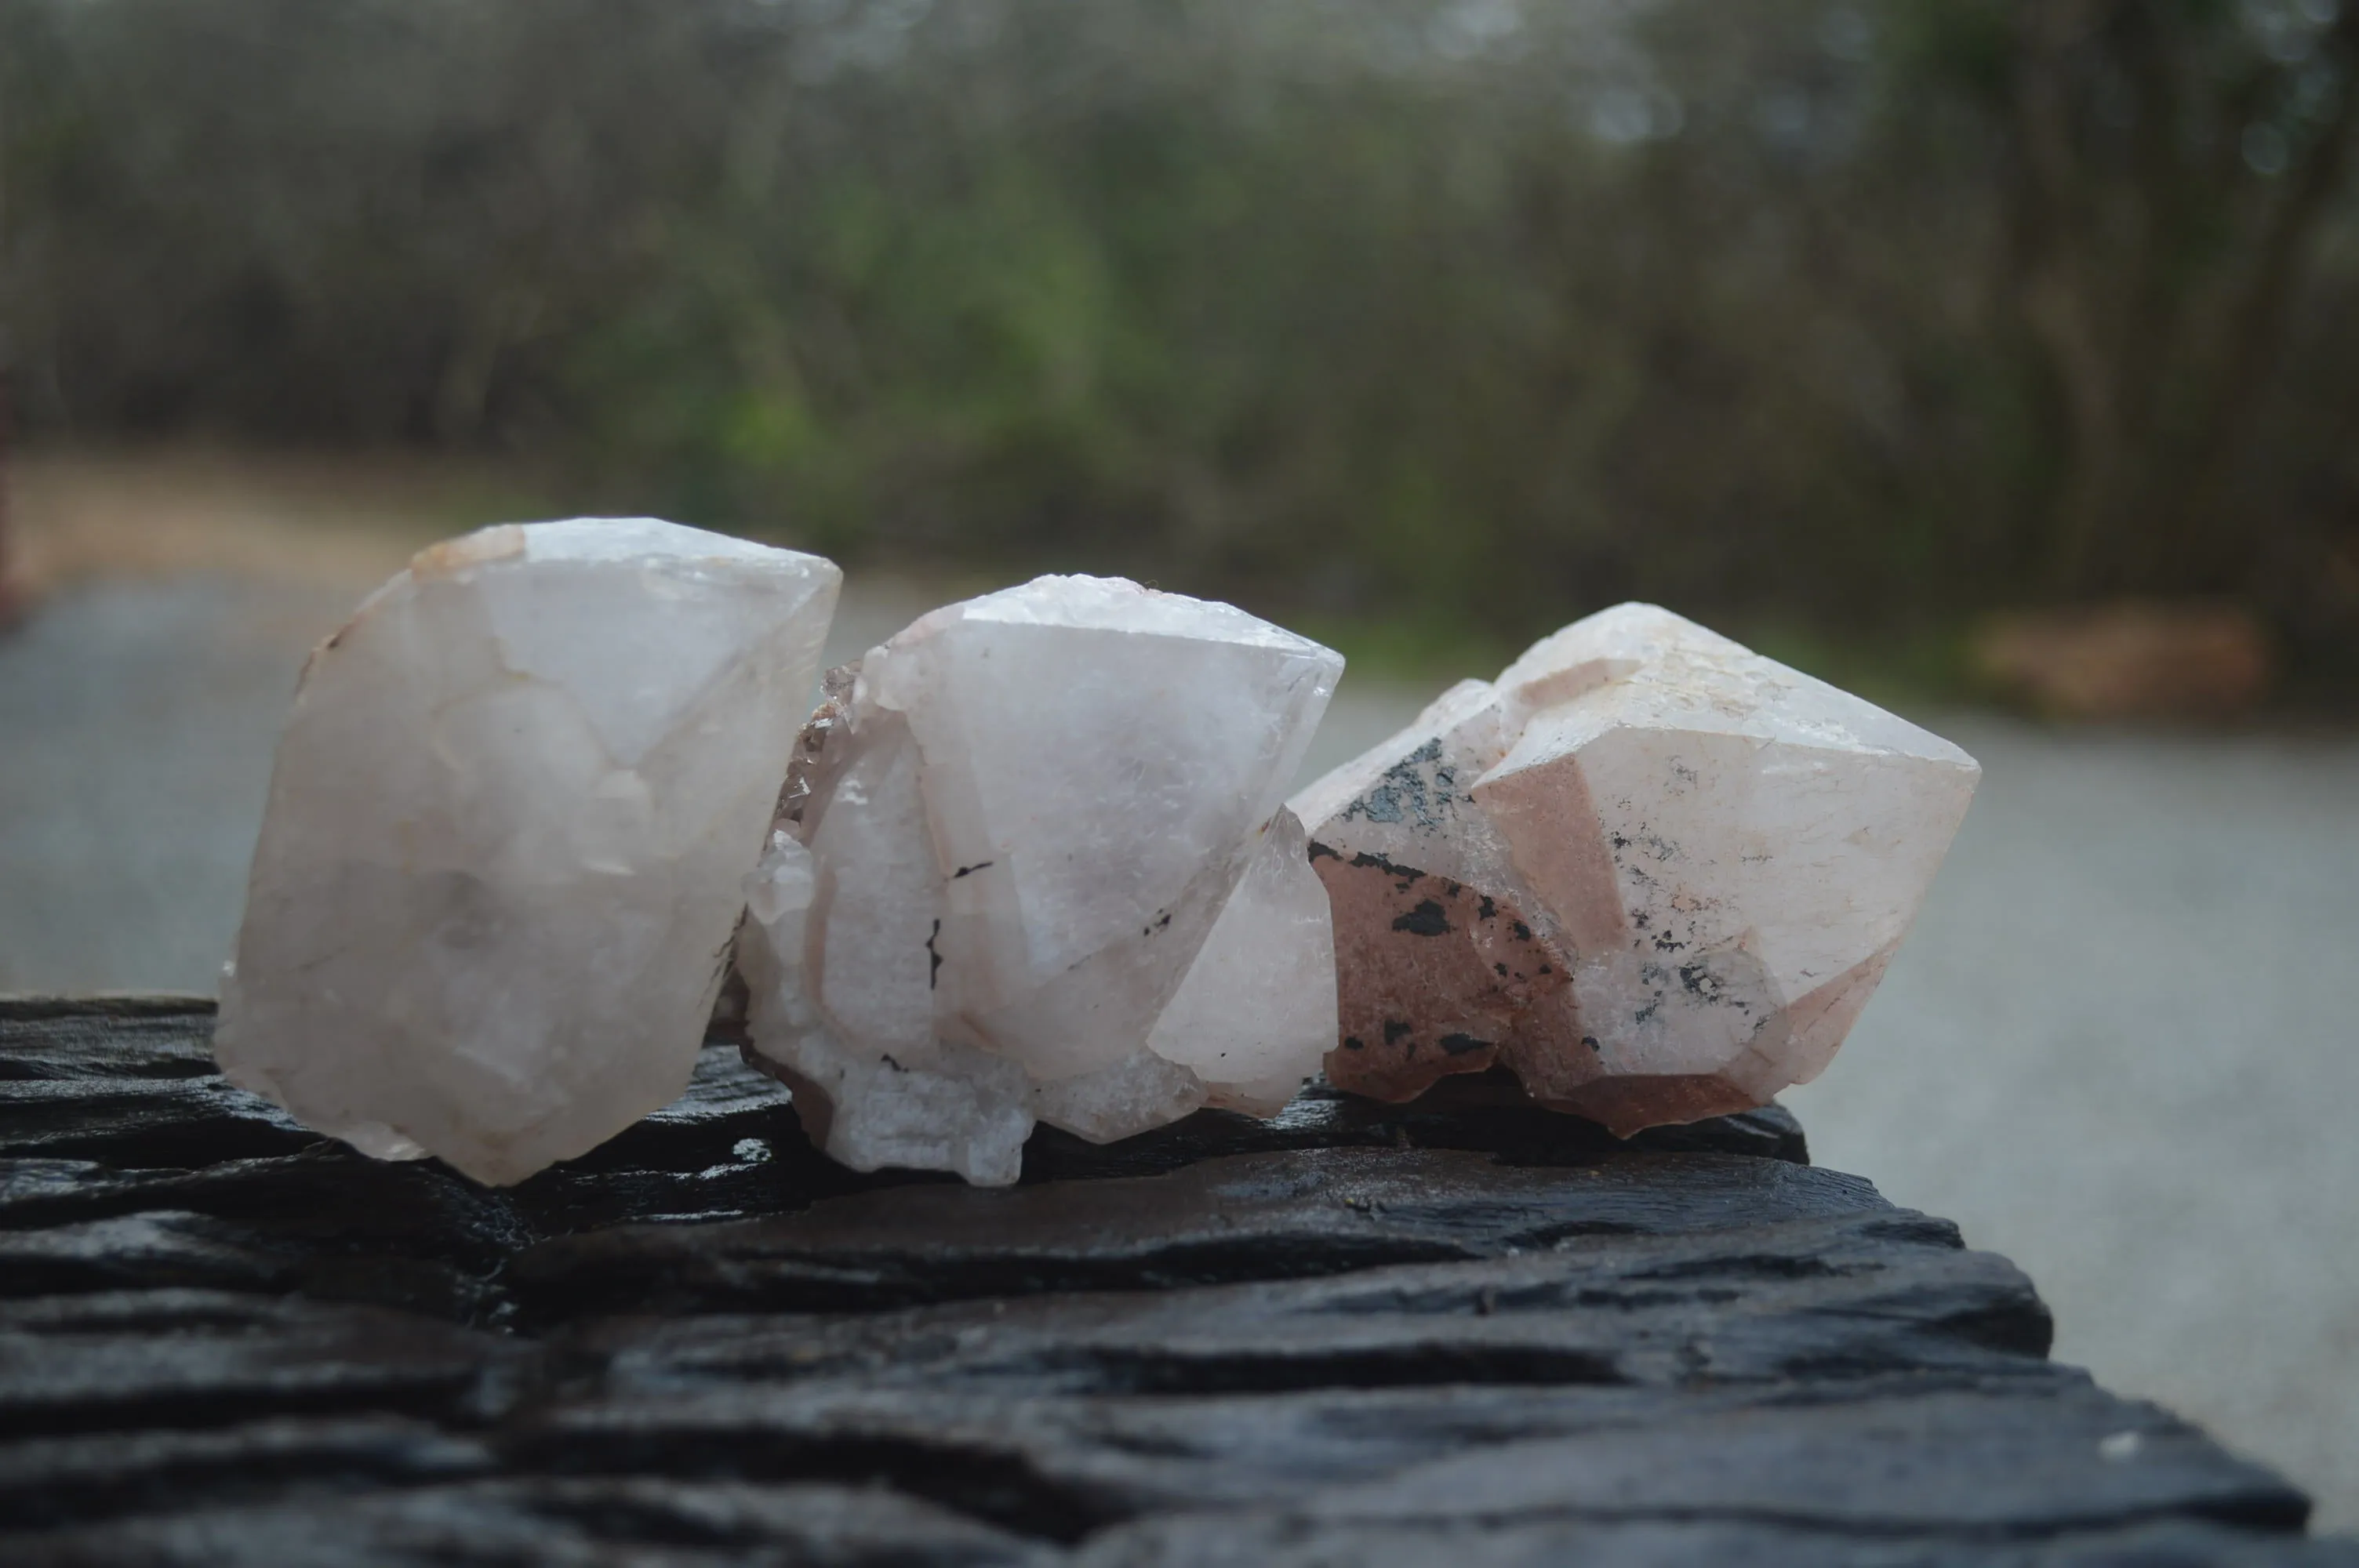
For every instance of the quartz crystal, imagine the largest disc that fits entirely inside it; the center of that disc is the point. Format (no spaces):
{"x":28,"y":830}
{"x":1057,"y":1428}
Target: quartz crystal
{"x":1655,"y":875}
{"x":1033,"y":864}
{"x":506,"y":833}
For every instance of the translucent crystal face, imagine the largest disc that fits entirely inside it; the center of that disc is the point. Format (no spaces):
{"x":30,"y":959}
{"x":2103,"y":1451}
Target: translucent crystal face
{"x":1036,"y":868}
{"x":1654,"y":873}
{"x":506,"y":833}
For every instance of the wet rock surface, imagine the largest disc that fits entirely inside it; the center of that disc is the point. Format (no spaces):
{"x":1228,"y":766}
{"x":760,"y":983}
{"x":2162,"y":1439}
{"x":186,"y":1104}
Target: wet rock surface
{"x":1462,"y":1330}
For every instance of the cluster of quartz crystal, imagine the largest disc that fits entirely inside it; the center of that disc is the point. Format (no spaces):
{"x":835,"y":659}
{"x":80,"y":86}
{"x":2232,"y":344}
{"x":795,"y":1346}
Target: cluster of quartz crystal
{"x":1033,"y":865}
{"x":507,"y":831}
{"x":1655,"y":875}
{"x":1030,"y":863}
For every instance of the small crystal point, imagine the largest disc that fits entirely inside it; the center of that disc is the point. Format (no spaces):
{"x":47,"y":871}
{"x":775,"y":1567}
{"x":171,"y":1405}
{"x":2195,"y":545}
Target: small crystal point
{"x":1032,"y":865}
{"x":1655,"y":875}
{"x":506,"y":835}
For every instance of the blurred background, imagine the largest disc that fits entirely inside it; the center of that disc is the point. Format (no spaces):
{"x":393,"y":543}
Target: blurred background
{"x":1996,"y":358}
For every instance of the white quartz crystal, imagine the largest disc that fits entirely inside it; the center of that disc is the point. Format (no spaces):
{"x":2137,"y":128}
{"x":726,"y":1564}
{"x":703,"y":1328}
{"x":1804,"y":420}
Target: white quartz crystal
{"x":1655,"y":875}
{"x":507,"y":834}
{"x":1033,"y":865}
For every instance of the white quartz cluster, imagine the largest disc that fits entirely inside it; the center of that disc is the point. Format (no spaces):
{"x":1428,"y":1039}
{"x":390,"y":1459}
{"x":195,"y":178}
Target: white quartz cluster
{"x":1033,"y":864}
{"x":507,"y":831}
{"x":1655,"y":875}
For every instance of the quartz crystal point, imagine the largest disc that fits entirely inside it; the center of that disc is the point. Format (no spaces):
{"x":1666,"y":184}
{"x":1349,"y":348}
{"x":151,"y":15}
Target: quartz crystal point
{"x":507,"y":834}
{"x":1655,"y":875}
{"x":1032,"y":864}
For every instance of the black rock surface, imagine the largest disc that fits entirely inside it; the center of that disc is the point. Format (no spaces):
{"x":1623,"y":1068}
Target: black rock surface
{"x":1466,"y":1331}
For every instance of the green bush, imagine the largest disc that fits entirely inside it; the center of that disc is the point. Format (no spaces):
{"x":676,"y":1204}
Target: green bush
{"x":1461,"y":315}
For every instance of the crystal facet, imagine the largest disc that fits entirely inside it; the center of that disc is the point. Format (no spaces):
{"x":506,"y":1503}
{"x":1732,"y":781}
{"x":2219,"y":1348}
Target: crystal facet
{"x":506,"y":833}
{"x":1654,"y":873}
{"x":1033,"y":865}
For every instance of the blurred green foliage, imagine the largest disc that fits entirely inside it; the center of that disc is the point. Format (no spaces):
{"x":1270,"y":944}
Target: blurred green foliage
{"x":1454,"y":315}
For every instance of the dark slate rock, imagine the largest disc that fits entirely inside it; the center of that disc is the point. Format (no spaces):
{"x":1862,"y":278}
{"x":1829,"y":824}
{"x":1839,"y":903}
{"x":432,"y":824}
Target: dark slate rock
{"x":1238,"y":1217}
{"x":113,"y":1108}
{"x":2038,"y":1461}
{"x":1464,"y":1331}
{"x":600,"y":1524}
{"x":64,"y":1480}
{"x":1484,"y":1113}
{"x":135,"y":1360}
{"x":1196,"y":1542}
{"x":1851,"y":1296}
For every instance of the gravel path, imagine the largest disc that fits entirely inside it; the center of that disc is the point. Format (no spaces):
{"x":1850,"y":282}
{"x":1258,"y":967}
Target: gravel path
{"x":2121,"y":1047}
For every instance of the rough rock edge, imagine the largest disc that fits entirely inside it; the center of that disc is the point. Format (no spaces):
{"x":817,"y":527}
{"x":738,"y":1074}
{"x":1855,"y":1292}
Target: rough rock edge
{"x":1493,"y":1311}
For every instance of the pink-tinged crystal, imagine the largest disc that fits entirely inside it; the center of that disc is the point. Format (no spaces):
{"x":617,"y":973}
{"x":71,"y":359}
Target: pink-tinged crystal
{"x":507,"y":830}
{"x":1655,"y":875}
{"x":1034,"y":865}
